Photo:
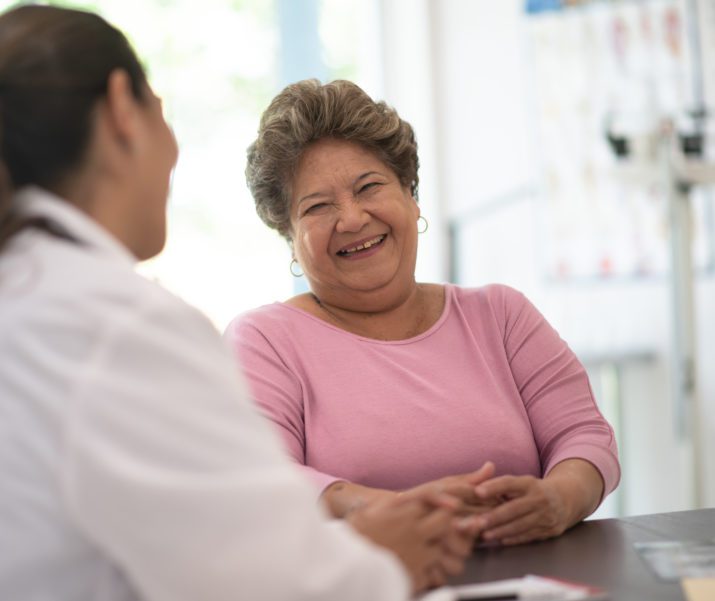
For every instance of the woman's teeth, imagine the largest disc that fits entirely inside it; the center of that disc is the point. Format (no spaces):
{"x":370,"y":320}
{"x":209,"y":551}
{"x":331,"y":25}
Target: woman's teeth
{"x":363,"y":246}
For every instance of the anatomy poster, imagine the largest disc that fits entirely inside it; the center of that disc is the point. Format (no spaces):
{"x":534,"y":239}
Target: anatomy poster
{"x":618,"y":67}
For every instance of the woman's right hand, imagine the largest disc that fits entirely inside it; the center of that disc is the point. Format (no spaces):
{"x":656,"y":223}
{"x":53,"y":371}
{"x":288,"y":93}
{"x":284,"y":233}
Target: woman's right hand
{"x":422,"y":530}
{"x":461,"y":487}
{"x":341,"y":498}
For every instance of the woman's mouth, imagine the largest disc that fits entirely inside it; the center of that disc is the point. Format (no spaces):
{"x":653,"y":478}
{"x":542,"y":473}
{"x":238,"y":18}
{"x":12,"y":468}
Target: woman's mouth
{"x":363,"y":247}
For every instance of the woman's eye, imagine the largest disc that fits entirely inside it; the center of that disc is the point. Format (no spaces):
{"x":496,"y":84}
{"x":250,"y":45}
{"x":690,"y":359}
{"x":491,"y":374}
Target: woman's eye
{"x":315,"y":208}
{"x":368,"y":186}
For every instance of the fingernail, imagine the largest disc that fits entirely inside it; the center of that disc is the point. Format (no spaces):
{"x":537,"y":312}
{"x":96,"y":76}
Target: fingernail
{"x":466,"y":523}
{"x":475,"y":525}
{"x":447,"y":501}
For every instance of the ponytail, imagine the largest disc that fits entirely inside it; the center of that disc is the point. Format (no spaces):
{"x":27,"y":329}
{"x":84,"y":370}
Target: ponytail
{"x":7,"y":219}
{"x":11,"y":222}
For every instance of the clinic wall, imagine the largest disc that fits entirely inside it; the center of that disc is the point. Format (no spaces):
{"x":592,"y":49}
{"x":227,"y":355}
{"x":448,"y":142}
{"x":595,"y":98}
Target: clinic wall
{"x":409,"y":51}
{"x":490,"y":188}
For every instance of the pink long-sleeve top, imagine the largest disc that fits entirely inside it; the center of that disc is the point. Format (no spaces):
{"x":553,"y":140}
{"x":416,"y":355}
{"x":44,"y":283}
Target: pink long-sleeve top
{"x":490,"y":380}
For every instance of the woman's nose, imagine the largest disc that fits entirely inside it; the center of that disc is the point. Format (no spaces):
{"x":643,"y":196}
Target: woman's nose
{"x":352,"y":217}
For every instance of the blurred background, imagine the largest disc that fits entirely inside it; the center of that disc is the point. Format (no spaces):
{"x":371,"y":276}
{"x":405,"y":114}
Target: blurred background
{"x":565,"y":150}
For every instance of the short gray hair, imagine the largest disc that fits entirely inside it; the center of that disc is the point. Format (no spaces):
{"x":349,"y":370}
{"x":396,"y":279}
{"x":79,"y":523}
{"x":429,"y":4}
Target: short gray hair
{"x":307,"y":111}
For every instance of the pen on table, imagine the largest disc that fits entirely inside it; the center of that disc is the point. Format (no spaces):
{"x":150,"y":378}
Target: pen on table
{"x":491,"y":597}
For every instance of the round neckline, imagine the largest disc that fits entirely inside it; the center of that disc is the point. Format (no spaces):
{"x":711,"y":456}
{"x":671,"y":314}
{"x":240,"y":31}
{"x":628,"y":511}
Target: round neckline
{"x":448,"y":292}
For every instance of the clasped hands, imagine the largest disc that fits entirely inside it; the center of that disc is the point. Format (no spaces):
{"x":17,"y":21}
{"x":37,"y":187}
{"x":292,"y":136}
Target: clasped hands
{"x":427,"y":527}
{"x":432,"y":527}
{"x":508,"y":510}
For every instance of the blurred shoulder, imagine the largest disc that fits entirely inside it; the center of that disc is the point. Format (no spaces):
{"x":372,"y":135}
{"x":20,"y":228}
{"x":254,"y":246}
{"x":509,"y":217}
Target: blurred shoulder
{"x":124,"y":296}
{"x":75,"y":301}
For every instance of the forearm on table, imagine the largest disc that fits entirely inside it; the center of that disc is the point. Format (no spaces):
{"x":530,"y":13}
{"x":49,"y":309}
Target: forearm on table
{"x":343,"y":497}
{"x":581,"y":486}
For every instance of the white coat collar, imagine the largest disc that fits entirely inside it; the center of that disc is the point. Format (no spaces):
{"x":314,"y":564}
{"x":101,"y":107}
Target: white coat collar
{"x":32,"y":200}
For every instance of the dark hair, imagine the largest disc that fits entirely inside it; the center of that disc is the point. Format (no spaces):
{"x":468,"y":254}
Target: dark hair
{"x":307,"y":111}
{"x":54,"y":66}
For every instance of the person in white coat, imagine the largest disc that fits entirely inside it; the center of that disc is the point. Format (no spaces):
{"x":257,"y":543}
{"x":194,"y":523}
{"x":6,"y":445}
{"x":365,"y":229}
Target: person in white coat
{"x":132,"y":463}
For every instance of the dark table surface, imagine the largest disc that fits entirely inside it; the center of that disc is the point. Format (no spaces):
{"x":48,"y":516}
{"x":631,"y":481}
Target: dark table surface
{"x":599,"y":553}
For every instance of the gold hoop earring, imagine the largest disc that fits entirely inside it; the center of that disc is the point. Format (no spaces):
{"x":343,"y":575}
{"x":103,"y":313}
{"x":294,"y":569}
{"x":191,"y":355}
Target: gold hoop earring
{"x":293,"y":273}
{"x":425,"y":225}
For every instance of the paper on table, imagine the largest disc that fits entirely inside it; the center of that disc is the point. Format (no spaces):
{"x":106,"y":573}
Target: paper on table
{"x":673,"y":560}
{"x":528,"y":587}
{"x":698,"y":589}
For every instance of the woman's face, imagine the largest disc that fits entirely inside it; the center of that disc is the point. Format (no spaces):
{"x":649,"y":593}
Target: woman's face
{"x":353,"y":226}
{"x":156,"y":161}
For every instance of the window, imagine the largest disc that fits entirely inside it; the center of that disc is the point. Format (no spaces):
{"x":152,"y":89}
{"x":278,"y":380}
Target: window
{"x":216,"y":66}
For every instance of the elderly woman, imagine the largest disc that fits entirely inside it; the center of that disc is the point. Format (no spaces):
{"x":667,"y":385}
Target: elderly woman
{"x":379,"y":384}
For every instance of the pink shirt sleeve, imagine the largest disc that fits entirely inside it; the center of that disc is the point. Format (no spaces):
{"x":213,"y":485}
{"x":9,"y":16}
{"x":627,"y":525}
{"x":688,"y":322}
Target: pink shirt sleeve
{"x":554,"y":387}
{"x":278,"y":390}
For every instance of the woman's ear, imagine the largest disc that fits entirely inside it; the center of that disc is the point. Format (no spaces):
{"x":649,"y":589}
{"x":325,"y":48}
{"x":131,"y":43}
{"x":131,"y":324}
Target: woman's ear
{"x":410,"y":198}
{"x":122,"y":108}
{"x":416,"y":205}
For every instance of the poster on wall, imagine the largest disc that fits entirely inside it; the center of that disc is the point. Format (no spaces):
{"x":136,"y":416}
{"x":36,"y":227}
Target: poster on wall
{"x":600,"y":69}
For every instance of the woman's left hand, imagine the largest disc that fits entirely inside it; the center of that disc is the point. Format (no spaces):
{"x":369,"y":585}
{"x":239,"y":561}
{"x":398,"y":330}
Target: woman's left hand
{"x":536,"y":509}
{"x":531,"y":509}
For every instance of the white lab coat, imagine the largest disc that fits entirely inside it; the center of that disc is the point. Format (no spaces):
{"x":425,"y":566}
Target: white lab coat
{"x":132,"y":464}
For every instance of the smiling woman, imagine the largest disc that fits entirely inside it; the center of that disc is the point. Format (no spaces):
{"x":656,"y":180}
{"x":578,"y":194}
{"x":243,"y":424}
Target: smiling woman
{"x":383,"y":385}
{"x":352,"y":227}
